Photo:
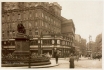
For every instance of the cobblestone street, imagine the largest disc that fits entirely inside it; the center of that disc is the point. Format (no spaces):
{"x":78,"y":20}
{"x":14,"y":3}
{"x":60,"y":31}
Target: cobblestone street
{"x":82,"y":63}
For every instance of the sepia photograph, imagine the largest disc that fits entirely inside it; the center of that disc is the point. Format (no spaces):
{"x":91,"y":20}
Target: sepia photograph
{"x":52,"y":34}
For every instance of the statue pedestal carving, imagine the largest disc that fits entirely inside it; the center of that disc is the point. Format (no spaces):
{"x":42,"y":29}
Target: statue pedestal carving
{"x":22,"y":46}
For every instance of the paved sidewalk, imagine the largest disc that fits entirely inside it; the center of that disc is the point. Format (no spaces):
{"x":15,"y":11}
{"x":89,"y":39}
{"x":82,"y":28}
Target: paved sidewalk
{"x":83,"y":63}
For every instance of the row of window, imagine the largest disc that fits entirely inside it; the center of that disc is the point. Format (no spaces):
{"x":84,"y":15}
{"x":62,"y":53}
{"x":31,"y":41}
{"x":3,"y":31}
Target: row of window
{"x":8,"y":34}
{"x":10,"y":5}
{"x":36,"y":42}
{"x":12,"y":34}
{"x":29,"y":15}
{"x":28,"y":25}
{"x":13,"y":26}
{"x":14,"y":5}
{"x":34,"y":4}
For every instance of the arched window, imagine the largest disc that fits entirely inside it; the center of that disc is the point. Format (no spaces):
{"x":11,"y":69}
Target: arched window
{"x":30,"y":32}
{"x":19,"y":16}
{"x":24,"y":15}
{"x":30,"y":14}
{"x":8,"y":33}
{"x":30,"y":26}
{"x":13,"y":26}
{"x":42,"y":15}
{"x":3,"y":34}
{"x":42,"y":23}
{"x":8,"y":17}
{"x":13,"y":33}
{"x":36,"y":15}
{"x":36,"y":31}
{"x":13,"y":17}
{"x":29,"y":4}
{"x":3,"y":18}
{"x":46,"y":25}
{"x":3,"y":26}
{"x":35,"y":23}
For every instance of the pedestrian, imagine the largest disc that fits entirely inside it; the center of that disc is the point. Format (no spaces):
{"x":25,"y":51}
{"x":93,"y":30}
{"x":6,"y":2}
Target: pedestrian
{"x":57,"y":55}
{"x":64,"y":55}
{"x":99,"y":57}
{"x":77,"y":58}
{"x":71,"y":60}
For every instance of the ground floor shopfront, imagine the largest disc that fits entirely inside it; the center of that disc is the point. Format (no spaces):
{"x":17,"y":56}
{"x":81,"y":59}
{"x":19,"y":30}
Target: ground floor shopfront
{"x":64,"y":52}
{"x":41,"y":45}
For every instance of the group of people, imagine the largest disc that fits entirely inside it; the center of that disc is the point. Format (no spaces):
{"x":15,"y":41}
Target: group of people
{"x":71,"y":59}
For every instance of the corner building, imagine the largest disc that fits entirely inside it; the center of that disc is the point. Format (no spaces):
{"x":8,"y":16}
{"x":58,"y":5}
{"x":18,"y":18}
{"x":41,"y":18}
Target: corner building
{"x":43,"y":23}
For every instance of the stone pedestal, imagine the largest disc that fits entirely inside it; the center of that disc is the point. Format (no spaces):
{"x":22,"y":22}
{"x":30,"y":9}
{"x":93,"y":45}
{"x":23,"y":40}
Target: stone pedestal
{"x":22,"y":47}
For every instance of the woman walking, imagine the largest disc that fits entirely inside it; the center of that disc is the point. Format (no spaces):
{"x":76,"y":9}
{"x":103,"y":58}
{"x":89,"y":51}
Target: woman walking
{"x":71,"y":60}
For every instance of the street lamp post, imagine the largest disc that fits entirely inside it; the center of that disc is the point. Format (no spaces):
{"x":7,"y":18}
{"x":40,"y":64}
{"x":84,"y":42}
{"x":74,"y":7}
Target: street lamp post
{"x":53,"y":43}
{"x":29,"y":53}
{"x":39,"y":42}
{"x":39,"y":47}
{"x":90,"y":46}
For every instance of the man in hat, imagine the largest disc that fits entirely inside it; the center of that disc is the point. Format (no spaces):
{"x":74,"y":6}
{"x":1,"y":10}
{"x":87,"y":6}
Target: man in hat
{"x":71,"y":60}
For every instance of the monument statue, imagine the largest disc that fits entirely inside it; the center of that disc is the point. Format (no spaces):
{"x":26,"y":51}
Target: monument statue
{"x":21,"y":42}
{"x":21,"y":28}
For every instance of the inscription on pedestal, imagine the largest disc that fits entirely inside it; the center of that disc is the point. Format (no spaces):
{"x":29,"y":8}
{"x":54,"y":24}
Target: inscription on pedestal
{"x":22,"y":46}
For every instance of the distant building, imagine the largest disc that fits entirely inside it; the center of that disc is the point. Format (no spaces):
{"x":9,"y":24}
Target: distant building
{"x":78,"y":38}
{"x":42,"y":21}
{"x":83,"y":46}
{"x":77,"y":43}
{"x":99,"y":44}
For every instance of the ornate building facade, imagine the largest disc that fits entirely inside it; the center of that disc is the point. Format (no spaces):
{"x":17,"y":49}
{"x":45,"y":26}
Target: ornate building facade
{"x":43,"y":22}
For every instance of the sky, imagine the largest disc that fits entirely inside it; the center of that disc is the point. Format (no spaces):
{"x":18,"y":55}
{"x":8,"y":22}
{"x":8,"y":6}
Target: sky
{"x":87,"y":17}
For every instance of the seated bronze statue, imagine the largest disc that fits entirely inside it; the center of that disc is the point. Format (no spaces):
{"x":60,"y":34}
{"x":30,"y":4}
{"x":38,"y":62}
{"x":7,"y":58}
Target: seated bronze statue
{"x":21,"y":28}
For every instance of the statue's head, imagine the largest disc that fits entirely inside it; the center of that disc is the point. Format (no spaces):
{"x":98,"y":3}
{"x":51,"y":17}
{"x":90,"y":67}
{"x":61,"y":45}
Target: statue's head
{"x":20,"y":28}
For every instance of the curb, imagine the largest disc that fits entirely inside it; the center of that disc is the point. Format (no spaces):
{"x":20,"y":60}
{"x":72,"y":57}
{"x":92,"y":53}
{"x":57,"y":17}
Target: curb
{"x":43,"y":66}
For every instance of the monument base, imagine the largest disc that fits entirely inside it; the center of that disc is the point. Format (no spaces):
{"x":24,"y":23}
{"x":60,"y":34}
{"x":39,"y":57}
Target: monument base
{"x":22,"y":47}
{"x":21,"y":53}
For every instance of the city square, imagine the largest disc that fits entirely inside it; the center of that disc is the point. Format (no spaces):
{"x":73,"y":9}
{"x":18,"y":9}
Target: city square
{"x":37,"y":35}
